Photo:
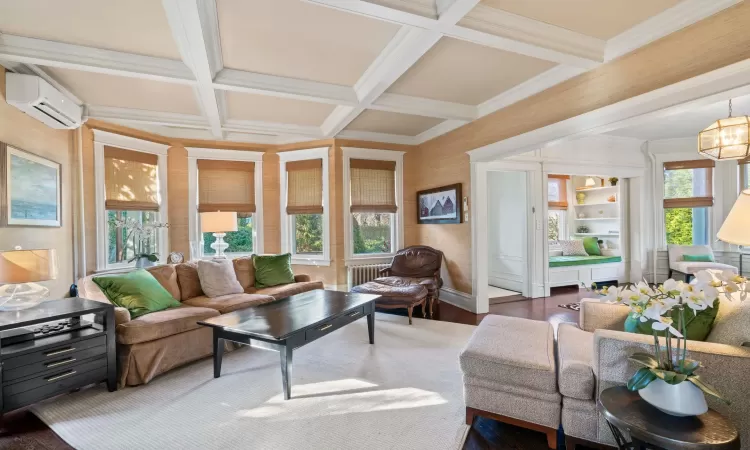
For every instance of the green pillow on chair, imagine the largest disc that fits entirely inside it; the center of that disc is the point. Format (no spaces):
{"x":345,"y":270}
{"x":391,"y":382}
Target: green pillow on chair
{"x":273,"y":270}
{"x":591,"y":245}
{"x":698,"y":325}
{"x":698,"y":258}
{"x":136,"y":291}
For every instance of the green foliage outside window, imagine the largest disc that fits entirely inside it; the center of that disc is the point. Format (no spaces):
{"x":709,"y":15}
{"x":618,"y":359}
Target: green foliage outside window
{"x":553,"y":227}
{"x":371,"y":233}
{"x":679,"y":225}
{"x":308,"y":233}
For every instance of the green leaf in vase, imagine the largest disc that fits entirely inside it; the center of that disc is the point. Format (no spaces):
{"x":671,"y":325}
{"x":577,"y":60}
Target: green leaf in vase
{"x":641,"y":379}
{"x":644,"y":359}
{"x":707,"y":388}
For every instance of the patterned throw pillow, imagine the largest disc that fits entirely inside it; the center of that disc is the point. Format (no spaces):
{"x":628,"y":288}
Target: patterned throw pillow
{"x":573,"y":248}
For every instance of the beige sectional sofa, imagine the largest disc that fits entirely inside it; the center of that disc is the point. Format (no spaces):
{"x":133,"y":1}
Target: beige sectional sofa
{"x":157,"y":342}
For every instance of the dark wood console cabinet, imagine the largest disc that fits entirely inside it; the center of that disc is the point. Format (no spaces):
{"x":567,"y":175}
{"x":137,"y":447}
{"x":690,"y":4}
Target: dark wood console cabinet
{"x":47,"y":366}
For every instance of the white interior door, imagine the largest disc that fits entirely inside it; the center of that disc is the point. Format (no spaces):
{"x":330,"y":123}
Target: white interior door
{"x":507,"y":212}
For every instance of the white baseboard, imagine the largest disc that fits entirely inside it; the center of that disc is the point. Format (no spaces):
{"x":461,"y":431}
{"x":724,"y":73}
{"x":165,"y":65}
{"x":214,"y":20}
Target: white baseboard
{"x":459,"y":299}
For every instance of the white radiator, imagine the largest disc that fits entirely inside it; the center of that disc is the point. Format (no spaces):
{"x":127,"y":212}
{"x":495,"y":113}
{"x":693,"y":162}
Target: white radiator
{"x":362,"y":274}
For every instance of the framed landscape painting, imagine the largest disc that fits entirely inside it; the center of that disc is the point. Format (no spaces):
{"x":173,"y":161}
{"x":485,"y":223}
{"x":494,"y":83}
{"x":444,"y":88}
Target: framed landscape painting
{"x":440,"y":205}
{"x":32,"y":189}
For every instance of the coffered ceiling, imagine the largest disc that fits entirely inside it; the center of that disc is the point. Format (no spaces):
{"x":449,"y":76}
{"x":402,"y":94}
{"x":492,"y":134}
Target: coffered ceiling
{"x":278,"y":71}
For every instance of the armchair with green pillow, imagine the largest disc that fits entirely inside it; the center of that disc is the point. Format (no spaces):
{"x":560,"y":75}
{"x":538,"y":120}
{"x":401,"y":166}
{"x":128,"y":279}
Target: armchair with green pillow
{"x":157,"y":310}
{"x":685,"y":260}
{"x":593,"y":356}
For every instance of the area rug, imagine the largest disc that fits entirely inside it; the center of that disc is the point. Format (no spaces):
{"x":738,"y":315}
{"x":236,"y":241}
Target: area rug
{"x":404,"y":392}
{"x":575,"y":306}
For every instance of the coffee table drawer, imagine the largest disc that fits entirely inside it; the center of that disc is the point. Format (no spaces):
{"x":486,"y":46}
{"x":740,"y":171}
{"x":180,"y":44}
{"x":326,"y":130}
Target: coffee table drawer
{"x":321,"y":330}
{"x":350,"y":317}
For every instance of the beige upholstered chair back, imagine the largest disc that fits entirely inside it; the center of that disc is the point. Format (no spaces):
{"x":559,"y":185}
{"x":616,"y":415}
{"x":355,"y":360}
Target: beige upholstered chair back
{"x":676,"y":251}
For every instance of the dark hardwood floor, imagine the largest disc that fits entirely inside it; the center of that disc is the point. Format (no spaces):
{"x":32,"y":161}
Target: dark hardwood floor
{"x":22,"y":430}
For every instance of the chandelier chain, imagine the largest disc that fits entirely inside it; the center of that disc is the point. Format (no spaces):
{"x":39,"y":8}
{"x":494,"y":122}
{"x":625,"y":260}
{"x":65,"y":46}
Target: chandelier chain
{"x":730,"y":107}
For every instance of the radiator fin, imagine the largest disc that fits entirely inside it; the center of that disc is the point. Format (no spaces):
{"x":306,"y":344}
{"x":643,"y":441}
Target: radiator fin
{"x":363,"y":273}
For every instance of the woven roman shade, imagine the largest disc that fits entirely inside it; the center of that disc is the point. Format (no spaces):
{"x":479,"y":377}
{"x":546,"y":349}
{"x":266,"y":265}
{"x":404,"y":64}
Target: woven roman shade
{"x":304,"y":193}
{"x":557,"y":184}
{"x":701,"y":199}
{"x":130,"y":180}
{"x":373,"y":186}
{"x":226,"y":186}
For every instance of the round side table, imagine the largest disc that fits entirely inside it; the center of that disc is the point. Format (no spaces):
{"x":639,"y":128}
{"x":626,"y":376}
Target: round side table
{"x":650,"y":428}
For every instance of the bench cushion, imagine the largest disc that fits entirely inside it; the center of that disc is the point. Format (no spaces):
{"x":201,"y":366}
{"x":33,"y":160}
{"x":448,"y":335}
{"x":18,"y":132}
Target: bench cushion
{"x":514,"y":351}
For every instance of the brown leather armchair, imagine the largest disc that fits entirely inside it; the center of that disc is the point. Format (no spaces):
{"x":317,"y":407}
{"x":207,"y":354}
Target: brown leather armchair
{"x":418,"y":264}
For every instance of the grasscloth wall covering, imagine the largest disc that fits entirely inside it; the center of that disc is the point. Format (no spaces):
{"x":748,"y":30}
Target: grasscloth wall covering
{"x":710,"y":44}
{"x":21,"y":131}
{"x":177,"y":175}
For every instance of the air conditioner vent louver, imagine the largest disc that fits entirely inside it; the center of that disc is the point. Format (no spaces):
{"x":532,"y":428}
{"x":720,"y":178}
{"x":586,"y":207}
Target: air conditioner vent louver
{"x":57,"y":116}
{"x":40,"y":100}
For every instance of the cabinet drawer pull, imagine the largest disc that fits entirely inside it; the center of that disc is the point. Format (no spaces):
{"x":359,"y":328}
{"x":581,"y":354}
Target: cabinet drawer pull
{"x":60,"y":352}
{"x":355,"y":314}
{"x":61,"y":376}
{"x":60,"y":363}
{"x":325,"y":327}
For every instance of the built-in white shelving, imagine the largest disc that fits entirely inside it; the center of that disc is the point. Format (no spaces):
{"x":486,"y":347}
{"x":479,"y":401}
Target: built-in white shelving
{"x":595,"y":204}
{"x":597,"y":234}
{"x":601,"y":188}
{"x":597,"y":218}
{"x":603,"y":218}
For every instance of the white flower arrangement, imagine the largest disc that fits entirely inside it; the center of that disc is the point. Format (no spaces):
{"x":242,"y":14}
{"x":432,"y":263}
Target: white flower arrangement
{"x":656,"y":306}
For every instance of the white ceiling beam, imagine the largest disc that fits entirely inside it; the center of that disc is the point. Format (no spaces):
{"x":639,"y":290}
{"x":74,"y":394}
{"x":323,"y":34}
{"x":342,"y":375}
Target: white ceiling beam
{"x":195,"y":29}
{"x":519,"y":34}
{"x":450,"y":12}
{"x":438,"y":130}
{"x":277,"y":86}
{"x":139,"y":116}
{"x":260,"y":127}
{"x":378,"y":137}
{"x":685,"y":13}
{"x":77,"y":57}
{"x":407,"y":104}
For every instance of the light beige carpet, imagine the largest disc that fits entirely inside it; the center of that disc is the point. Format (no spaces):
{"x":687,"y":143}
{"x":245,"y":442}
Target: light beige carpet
{"x":405,"y":392}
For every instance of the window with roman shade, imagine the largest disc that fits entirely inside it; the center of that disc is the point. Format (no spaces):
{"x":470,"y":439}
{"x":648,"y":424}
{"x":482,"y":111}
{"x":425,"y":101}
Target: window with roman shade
{"x":226,"y":186}
{"x":304,"y":187}
{"x":744,"y":168}
{"x":131,"y":180}
{"x":557,"y":192}
{"x":373,"y":186}
{"x":688,"y":197}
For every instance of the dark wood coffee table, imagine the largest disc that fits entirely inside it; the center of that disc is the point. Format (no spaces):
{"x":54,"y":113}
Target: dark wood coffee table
{"x":290,"y":323}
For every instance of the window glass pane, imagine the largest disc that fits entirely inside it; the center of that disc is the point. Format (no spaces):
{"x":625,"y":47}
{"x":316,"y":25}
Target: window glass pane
{"x":240,"y":241}
{"x":686,"y":226}
{"x":745,"y":168}
{"x":371,"y":233}
{"x":686,"y":183}
{"x":127,"y":236}
{"x":553,"y":226}
{"x":308,"y":234}
{"x":553,"y":190}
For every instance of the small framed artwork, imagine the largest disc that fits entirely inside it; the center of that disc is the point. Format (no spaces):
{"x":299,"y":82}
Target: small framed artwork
{"x":440,"y":205}
{"x":32,"y":189}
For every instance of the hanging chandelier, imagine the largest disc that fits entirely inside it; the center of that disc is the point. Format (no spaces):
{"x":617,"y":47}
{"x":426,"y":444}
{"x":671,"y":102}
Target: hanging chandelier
{"x":726,"y":138}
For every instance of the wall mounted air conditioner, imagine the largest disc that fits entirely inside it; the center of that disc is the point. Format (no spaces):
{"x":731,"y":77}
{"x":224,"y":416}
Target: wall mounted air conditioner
{"x":42,"y":101}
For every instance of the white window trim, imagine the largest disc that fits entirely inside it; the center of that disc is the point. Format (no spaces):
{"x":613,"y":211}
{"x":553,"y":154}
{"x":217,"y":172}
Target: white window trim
{"x":217,"y":154}
{"x":286,"y":219}
{"x":397,"y":228}
{"x":104,"y":138}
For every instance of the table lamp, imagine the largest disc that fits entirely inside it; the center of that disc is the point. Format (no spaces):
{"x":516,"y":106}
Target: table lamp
{"x":736,"y":227}
{"x":20,"y":270}
{"x":219,"y":223}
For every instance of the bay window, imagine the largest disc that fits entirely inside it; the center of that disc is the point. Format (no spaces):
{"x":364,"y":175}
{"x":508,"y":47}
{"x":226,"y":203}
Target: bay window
{"x":304,"y":199}
{"x":688,"y":198}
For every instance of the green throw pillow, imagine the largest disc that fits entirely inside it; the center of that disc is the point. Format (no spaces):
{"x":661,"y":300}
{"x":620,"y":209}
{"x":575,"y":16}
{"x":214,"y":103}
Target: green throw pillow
{"x":273,"y":270}
{"x":698,"y":258}
{"x":698,"y":325}
{"x":136,"y":291}
{"x":591,"y":245}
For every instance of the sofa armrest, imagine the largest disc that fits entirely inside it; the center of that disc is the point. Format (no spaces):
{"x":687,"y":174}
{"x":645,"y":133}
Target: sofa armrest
{"x":595,"y":315}
{"x":122,"y":315}
{"x":724,"y":366}
{"x":302,"y":278}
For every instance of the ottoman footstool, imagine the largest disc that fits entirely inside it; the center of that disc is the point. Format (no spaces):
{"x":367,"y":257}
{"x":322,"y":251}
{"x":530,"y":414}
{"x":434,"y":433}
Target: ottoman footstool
{"x":509,"y":374}
{"x":392,"y":297}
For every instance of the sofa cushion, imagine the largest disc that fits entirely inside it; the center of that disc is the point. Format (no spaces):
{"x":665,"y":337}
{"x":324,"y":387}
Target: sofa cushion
{"x":575,"y":353}
{"x":731,"y":326}
{"x":228,"y":303}
{"x":273,"y":270}
{"x":218,"y":278}
{"x":517,"y":351}
{"x":189,"y":281}
{"x":166,"y":275}
{"x":138,"y":291}
{"x":285,"y":290}
{"x":157,"y":325}
{"x":245,"y":272}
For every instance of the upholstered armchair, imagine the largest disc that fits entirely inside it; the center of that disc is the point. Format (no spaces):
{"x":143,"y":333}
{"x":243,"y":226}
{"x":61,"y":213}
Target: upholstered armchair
{"x":680,"y":268}
{"x":418,"y":264}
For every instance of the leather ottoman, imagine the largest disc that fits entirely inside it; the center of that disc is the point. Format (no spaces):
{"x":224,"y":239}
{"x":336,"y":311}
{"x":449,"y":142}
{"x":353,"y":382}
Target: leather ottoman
{"x":430,"y":283}
{"x":392,"y":297}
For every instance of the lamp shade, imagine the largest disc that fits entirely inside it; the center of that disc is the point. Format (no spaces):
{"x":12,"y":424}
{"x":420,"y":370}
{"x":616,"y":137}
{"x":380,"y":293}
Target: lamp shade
{"x":218,"y":222}
{"x":28,"y":266}
{"x":736,"y":227}
{"x":590,"y":182}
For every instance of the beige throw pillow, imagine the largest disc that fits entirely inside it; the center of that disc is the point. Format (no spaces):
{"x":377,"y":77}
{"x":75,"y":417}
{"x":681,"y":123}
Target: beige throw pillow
{"x":573,"y":248}
{"x":218,"y":278}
